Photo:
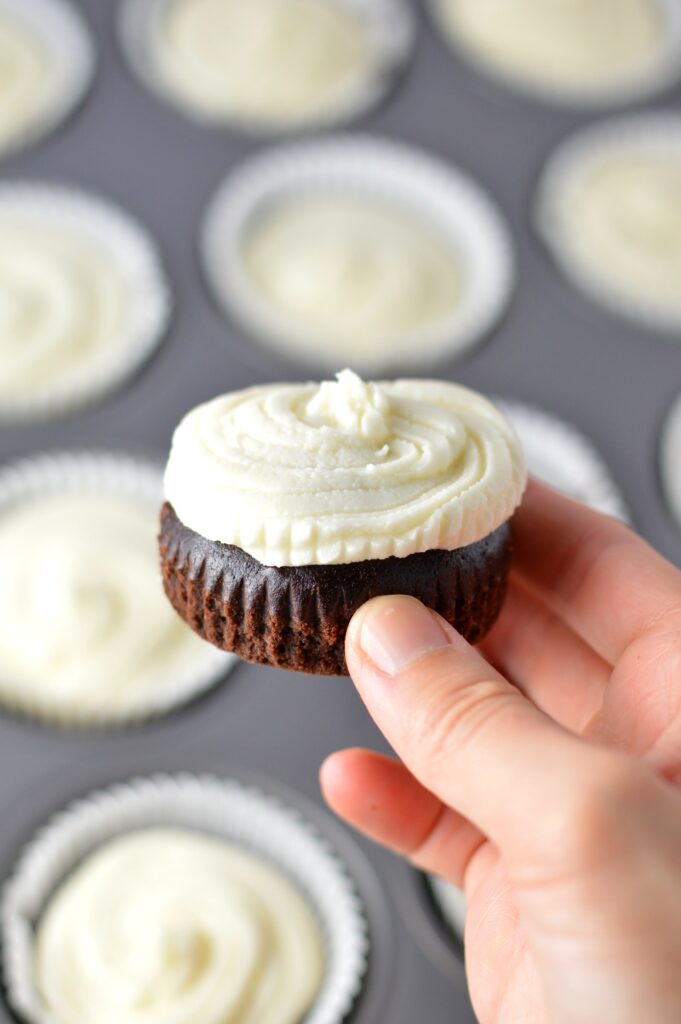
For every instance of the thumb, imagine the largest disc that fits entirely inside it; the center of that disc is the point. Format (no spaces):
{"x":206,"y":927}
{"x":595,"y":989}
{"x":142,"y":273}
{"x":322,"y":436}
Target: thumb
{"x":463,"y":730}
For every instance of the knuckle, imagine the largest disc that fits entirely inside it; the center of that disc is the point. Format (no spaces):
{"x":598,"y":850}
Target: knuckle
{"x":594,"y":822}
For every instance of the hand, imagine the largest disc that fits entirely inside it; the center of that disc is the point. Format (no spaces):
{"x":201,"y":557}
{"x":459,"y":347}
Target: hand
{"x":540,"y":772}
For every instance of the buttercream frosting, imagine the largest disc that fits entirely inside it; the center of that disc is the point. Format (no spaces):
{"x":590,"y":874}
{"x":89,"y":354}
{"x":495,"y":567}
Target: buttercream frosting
{"x":85,"y":630}
{"x":167,"y":926}
{"x":620,"y":216}
{"x":359,"y":276}
{"x":583,"y":45}
{"x":26,"y":78}
{"x":62,"y":306}
{"x":273,"y":61}
{"x":302,"y":474}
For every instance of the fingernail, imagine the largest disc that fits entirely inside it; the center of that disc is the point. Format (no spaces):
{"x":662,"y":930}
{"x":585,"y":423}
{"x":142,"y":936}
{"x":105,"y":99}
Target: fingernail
{"x":396,"y":631}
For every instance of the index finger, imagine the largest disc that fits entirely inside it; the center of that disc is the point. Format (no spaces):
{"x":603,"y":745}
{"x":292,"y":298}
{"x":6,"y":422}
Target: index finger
{"x":606,"y":582}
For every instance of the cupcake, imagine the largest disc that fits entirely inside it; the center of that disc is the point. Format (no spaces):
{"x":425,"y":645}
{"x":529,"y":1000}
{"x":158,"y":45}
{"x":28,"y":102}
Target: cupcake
{"x":288,"y":506}
{"x":357,"y":251}
{"x":83,"y":299}
{"x":570,"y":51}
{"x":46,"y":61}
{"x":86,"y":636}
{"x":609,"y":208}
{"x":268,"y":65}
{"x":191,"y":899}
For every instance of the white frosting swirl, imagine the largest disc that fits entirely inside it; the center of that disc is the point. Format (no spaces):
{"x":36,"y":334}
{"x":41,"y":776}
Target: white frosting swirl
{"x":167,"y":926}
{"x":303,"y":474}
{"x":62,"y":306}
{"x":26,"y":77}
{"x":621,"y":217}
{"x":85,"y":630}
{"x":361,"y":274}
{"x":576,"y":44}
{"x":273,"y":61}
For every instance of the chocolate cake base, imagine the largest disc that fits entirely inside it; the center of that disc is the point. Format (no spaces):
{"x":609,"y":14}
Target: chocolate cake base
{"x":296,"y":617}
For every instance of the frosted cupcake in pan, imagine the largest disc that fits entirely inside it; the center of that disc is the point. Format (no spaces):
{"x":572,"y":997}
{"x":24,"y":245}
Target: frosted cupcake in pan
{"x":46,"y":65}
{"x":609,"y":208}
{"x":357,"y":251}
{"x":86,"y":636}
{"x":573,"y":51}
{"x":181,"y":898}
{"x":83,"y":299}
{"x":268,"y":65}
{"x":289,"y":506}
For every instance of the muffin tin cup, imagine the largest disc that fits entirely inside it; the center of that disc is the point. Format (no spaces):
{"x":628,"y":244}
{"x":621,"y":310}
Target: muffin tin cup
{"x":391,"y":29}
{"x":445,"y":199}
{"x":561,"y":456}
{"x":135,"y":259}
{"x":660,"y":76}
{"x":63,"y":32}
{"x":121,"y":477}
{"x":670,"y":460}
{"x":658,"y":132}
{"x":224,"y":808}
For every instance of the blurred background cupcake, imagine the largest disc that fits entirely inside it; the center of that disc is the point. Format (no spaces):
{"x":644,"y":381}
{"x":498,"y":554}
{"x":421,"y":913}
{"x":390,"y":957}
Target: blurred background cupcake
{"x":86,"y":636}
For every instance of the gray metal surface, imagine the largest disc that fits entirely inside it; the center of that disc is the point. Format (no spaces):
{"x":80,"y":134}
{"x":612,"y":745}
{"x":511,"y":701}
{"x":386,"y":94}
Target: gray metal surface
{"x":553,"y":349}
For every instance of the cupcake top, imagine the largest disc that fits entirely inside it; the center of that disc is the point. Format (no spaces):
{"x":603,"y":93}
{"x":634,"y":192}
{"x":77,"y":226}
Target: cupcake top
{"x":343,"y":471}
{"x":86,"y":635}
{"x":46,"y":63}
{"x":269,"y":64}
{"x":562,"y":45}
{"x":611,"y":209}
{"x":82,"y":298}
{"x":362,"y":274}
{"x":167,"y":925}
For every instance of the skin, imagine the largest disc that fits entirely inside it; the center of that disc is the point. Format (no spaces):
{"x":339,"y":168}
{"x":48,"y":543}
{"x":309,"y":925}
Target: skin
{"x":540,"y":772}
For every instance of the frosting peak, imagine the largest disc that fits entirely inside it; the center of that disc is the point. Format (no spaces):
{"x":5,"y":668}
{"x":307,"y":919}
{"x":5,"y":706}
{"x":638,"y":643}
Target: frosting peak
{"x":345,"y":471}
{"x":351,"y":406}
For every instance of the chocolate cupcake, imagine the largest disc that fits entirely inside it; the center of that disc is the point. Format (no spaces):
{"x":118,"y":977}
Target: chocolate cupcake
{"x":288,"y":506}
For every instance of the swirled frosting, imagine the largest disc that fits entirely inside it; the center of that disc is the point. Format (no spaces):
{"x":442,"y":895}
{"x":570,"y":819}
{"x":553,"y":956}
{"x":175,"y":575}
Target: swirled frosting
{"x":621,"y":217}
{"x":85,"y":631}
{"x":360,"y":277}
{"x":168,"y":926}
{"x":62,"y":305}
{"x":576,"y":44}
{"x":304,"y":474}
{"x":25,"y":78}
{"x":273,"y":61}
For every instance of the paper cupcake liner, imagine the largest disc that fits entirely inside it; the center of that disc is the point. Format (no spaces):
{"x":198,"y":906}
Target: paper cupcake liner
{"x":662,"y":74}
{"x":451,"y":903}
{"x":297,"y":617}
{"x":223,"y":808}
{"x":136,"y":260}
{"x":391,"y":30}
{"x":656,"y":133}
{"x":670,"y":460}
{"x":63,"y":32}
{"x":120,"y":476}
{"x":447,"y":201}
{"x":561,"y":456}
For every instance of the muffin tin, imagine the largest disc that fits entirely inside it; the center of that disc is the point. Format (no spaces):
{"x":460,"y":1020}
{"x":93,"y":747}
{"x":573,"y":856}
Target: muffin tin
{"x":554,"y":349}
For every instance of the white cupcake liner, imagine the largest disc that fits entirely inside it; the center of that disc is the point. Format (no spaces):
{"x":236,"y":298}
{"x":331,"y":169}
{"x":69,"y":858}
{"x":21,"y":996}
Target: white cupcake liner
{"x":661,"y":75}
{"x":391,"y":29}
{"x":451,"y":902}
{"x":560,"y":455}
{"x":62,"y":30}
{"x":120,"y":476}
{"x":443,"y":197}
{"x":670,"y":460}
{"x":220,"y":807}
{"x":135,"y":258}
{"x":657,"y":132}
